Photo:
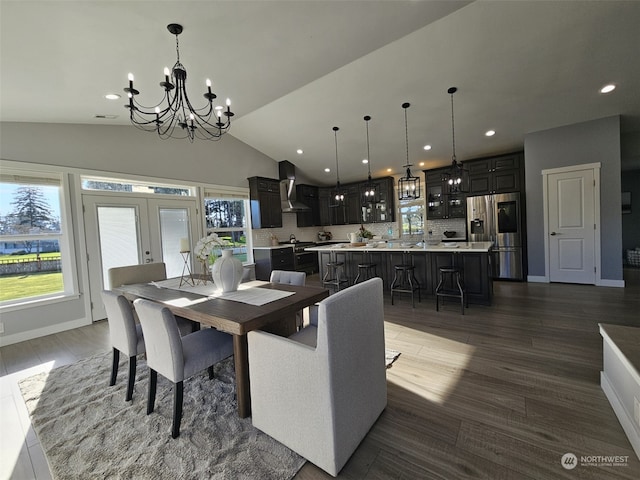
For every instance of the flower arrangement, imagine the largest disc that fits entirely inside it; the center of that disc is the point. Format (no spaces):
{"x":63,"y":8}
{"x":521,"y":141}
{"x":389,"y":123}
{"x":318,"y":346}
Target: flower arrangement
{"x":364,"y":233}
{"x":206,"y":245}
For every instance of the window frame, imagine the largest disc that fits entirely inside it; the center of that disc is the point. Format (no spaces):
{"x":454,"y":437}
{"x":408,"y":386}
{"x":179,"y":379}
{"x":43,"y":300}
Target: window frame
{"x":65,"y":237}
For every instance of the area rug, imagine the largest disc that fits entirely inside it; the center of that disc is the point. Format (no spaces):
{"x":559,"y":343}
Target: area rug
{"x":87,"y":430}
{"x":390,"y":356}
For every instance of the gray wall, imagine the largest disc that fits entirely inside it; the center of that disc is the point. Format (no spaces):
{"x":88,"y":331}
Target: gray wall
{"x":588,"y":142}
{"x":125,"y":149}
{"x":631,"y":221}
{"x":117,"y":149}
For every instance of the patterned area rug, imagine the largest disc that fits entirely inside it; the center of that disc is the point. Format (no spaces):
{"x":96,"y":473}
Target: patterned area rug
{"x":87,"y":430}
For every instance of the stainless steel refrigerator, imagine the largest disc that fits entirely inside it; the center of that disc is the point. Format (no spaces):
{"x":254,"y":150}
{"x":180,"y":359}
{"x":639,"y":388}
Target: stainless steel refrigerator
{"x":498,"y":219}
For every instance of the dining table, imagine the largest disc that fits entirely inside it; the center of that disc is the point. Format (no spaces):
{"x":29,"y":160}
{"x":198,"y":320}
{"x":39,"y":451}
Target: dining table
{"x":236,"y":313}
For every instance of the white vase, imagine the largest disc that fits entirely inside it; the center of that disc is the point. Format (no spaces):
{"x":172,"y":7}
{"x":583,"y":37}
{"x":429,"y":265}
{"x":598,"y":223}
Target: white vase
{"x":226,"y":272}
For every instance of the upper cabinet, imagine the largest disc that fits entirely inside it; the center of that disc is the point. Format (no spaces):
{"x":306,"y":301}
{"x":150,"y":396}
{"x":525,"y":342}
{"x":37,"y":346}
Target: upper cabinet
{"x":353,"y":210}
{"x":440,"y":204}
{"x":266,"y":209}
{"x":501,"y":174}
{"x":309,"y":196}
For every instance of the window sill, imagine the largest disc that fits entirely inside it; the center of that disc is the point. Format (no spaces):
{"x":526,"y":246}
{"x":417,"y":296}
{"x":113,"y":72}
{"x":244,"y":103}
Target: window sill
{"x":38,"y":302}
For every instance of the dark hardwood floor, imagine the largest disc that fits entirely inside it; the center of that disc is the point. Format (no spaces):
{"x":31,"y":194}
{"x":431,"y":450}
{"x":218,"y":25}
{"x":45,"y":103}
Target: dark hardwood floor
{"x":499,"y":393}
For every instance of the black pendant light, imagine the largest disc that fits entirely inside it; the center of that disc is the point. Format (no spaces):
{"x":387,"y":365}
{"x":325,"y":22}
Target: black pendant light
{"x":457,"y":178}
{"x":337,"y":196}
{"x":369,"y":189}
{"x":408,"y":186}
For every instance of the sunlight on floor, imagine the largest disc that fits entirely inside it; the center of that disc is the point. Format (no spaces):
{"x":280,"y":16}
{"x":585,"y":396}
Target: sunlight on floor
{"x":15,"y":422}
{"x":444,"y":363}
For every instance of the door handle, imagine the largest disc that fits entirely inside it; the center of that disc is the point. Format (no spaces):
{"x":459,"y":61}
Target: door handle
{"x":553,"y":233}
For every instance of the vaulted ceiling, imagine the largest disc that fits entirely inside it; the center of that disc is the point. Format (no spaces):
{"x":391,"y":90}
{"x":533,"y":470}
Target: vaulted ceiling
{"x":294,"y":69}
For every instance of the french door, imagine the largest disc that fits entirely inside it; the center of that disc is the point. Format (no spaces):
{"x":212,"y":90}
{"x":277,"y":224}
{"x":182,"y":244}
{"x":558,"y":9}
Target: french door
{"x":123,"y":230}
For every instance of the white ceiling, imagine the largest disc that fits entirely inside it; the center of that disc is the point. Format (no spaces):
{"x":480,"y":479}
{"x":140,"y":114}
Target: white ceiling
{"x":294,"y":69}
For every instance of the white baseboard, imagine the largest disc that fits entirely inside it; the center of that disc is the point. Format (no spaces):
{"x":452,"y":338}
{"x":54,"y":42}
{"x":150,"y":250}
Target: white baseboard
{"x":611,"y":283}
{"x":41,"y":332}
{"x":536,"y":279}
{"x":624,"y":417}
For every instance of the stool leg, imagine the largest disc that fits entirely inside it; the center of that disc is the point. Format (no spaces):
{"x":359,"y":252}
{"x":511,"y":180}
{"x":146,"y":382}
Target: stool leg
{"x":461,"y":292}
{"x":438,"y":296}
{"x":410,"y":282}
{"x":357,"y":277}
{"x":393,"y":285}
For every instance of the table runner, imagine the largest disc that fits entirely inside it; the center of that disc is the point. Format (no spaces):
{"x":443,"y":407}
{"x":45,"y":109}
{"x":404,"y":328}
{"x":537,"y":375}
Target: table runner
{"x":248,"y":292}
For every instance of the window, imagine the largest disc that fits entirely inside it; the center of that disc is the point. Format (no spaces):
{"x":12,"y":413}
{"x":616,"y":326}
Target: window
{"x":103,"y":184}
{"x":35,"y":260}
{"x":412,"y":217}
{"x":226,"y":215}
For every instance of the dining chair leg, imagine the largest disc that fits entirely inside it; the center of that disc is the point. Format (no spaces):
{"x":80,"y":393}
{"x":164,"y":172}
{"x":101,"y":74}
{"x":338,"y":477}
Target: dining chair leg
{"x":177,"y":409}
{"x":153,"y":382}
{"x":132,"y":378}
{"x":210,"y":370}
{"x":114,"y":366}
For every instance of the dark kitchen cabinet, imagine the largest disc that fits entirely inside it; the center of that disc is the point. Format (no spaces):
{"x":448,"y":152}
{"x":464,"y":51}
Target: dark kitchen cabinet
{"x":439,"y":203}
{"x":476,"y":274}
{"x":266,"y":209}
{"x":383,"y":209}
{"x":325,"y":211}
{"x":268,"y":259}
{"x":501,"y":174}
{"x":308,"y":195}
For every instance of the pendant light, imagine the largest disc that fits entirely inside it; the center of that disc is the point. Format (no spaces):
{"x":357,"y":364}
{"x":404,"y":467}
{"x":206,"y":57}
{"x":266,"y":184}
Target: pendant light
{"x":369,"y":189}
{"x":408,"y":186}
{"x":337,"y":196}
{"x":457,"y":178}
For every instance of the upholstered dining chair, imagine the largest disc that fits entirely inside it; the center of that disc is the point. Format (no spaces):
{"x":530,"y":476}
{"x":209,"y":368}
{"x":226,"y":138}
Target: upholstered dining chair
{"x":320,"y":390}
{"x":290,"y":278}
{"x":125,"y":334}
{"x":144,"y":273}
{"x":174,"y":357}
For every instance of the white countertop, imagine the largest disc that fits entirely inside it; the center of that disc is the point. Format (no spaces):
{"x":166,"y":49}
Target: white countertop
{"x":274,"y":247}
{"x":477,"y":247}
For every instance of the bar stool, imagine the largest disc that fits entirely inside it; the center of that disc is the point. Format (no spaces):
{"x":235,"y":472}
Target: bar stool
{"x":332,"y":275}
{"x":451,"y":285}
{"x":366,"y":268}
{"x":404,"y":280}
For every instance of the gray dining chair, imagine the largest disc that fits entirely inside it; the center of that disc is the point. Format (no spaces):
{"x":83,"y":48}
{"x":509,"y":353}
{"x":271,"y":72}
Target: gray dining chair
{"x":174,"y":357}
{"x":125,"y":334}
{"x":145,"y":273}
{"x":290,"y":278}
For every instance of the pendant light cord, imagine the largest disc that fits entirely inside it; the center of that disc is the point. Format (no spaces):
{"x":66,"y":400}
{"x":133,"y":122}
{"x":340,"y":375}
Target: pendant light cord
{"x":367,"y":118}
{"x":335,"y":136}
{"x":453,"y":130}
{"x":406,"y":132}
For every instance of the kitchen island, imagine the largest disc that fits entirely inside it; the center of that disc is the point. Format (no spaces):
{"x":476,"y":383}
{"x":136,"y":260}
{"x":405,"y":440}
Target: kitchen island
{"x":472,"y":258}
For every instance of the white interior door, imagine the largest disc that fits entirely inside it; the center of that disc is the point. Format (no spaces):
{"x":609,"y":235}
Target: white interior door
{"x":571,"y":226}
{"x":124,"y":230}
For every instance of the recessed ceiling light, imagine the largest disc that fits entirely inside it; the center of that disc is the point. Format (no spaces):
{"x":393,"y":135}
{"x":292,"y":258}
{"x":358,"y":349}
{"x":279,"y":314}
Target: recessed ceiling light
{"x":112,"y":96}
{"x":421,"y":164}
{"x":299,"y":151}
{"x":389,"y":170}
{"x":327,"y":170}
{"x":365,"y":161}
{"x":608,"y":88}
{"x":490,"y":133}
{"x":427,"y":147}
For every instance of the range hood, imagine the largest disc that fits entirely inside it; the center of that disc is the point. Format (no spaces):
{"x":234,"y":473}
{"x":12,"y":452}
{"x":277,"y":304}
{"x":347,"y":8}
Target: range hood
{"x":290,"y":204}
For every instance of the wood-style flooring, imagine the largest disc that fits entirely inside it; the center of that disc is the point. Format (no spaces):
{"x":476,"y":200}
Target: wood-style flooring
{"x":499,"y":393}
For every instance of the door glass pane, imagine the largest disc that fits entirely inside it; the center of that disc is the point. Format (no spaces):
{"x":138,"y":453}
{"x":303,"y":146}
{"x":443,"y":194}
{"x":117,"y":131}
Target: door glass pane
{"x":174,"y":225}
{"x":118,"y":235}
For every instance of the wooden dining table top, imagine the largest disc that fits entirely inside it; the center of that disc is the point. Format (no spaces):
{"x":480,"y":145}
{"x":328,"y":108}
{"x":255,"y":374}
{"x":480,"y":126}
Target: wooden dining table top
{"x":227,"y":315}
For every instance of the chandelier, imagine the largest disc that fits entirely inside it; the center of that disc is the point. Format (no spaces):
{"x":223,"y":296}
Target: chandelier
{"x":457,"y":178}
{"x":337,"y":196}
{"x":408,"y":186}
{"x":175,"y":110}
{"x":370,"y":189}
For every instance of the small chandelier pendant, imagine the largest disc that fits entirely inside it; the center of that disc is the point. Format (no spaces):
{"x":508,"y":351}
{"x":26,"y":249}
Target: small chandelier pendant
{"x":369,"y":191}
{"x":408,"y":186}
{"x":457,"y":178}
{"x":175,"y":116}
